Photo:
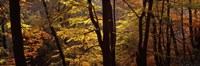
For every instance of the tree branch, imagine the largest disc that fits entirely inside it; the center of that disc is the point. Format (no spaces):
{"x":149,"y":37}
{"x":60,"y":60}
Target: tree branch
{"x":131,"y":8}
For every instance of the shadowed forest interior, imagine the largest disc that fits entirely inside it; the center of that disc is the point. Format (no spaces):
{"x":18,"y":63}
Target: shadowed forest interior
{"x":99,"y":33}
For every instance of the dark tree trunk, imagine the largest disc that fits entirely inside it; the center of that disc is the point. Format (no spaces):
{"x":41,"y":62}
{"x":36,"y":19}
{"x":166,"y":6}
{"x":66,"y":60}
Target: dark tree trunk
{"x":58,"y":45}
{"x":3,"y":35}
{"x":191,"y":29}
{"x":174,"y":41}
{"x":142,"y":50}
{"x":146,"y":35}
{"x":197,"y":43}
{"x":190,"y":25}
{"x":113,"y":36}
{"x":139,"y":58}
{"x":108,"y":34}
{"x":168,"y":36}
{"x":183,"y":33}
{"x":18,"y":48}
{"x":95,"y":23}
{"x":160,"y":35}
{"x":154,"y":33}
{"x":54,"y":34}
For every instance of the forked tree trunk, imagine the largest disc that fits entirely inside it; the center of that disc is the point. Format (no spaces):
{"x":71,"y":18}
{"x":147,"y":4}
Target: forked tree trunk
{"x":109,"y":32}
{"x":142,"y":47}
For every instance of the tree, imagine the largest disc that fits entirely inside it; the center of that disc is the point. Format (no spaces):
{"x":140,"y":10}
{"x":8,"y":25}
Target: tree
{"x":17,"y":39}
{"x":54,"y":34}
{"x":108,"y":44}
{"x":109,"y":32}
{"x":168,"y":36}
{"x":190,"y":23}
{"x":142,"y":47}
{"x":139,"y":59}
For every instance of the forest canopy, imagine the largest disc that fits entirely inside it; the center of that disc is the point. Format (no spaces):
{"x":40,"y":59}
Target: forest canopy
{"x":100,"y":32}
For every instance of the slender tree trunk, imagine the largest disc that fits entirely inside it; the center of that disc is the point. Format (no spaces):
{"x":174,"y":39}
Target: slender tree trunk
{"x":95,"y":23}
{"x":191,"y":29}
{"x":113,"y":36}
{"x":58,"y":45}
{"x":154,"y":33}
{"x":195,"y":36}
{"x":139,"y":58}
{"x":141,"y":54}
{"x":174,"y":41}
{"x":160,"y":35}
{"x":182,"y":31}
{"x":168,"y":36}
{"x":54,"y":35}
{"x":18,"y":48}
{"x":190,"y":23}
{"x":146,"y":35}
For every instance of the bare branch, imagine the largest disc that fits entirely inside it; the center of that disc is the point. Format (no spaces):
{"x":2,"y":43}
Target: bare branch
{"x":131,"y":8}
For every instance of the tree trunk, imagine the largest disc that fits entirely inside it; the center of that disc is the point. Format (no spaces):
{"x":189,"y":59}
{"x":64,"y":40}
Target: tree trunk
{"x":108,"y":44}
{"x":174,"y":41}
{"x":183,"y":33}
{"x":160,"y":35}
{"x":58,"y":45}
{"x":18,"y":48}
{"x":146,"y":35}
{"x":95,"y":23}
{"x":109,"y":32}
{"x":155,"y":42}
{"x":191,"y":28}
{"x":190,"y":23}
{"x":142,"y":50}
{"x":139,"y":58}
{"x":168,"y":36}
{"x":113,"y":36}
{"x":54,"y":35}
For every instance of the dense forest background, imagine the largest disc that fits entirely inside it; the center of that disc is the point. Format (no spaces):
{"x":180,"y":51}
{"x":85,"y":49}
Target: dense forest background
{"x":100,"y":32}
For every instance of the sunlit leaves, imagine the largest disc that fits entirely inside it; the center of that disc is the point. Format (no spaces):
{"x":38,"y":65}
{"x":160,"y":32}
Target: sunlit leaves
{"x":34,"y":39}
{"x":75,"y":34}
